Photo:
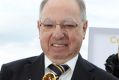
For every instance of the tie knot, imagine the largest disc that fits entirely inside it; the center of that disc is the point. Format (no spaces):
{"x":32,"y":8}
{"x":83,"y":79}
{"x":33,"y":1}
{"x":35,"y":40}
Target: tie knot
{"x":58,"y":69}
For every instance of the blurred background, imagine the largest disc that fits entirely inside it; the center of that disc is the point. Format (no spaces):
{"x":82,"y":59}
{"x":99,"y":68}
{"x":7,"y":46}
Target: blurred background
{"x":18,"y":26}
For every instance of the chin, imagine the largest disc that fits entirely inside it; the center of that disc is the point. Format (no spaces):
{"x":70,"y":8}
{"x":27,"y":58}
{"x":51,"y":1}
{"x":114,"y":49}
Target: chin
{"x":58,"y":56}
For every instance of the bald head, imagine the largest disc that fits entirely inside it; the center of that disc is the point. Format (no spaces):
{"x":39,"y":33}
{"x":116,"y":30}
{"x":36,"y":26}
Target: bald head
{"x":80,"y":3}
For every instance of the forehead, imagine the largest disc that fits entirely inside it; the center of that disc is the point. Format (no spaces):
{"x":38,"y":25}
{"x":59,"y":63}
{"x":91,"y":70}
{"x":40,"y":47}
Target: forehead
{"x":61,"y":9}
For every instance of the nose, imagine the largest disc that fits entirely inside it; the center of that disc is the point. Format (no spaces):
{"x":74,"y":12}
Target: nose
{"x":58,"y":33}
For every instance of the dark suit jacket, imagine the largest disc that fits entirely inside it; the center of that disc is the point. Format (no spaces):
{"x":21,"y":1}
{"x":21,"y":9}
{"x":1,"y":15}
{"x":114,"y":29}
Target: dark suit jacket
{"x":33,"y":69}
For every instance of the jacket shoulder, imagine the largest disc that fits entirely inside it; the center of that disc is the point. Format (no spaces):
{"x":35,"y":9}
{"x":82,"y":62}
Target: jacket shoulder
{"x":14,"y":65}
{"x":94,"y":71}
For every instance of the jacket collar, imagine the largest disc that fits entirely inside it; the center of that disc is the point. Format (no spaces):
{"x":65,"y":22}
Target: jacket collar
{"x":35,"y":69}
{"x":82,"y":69}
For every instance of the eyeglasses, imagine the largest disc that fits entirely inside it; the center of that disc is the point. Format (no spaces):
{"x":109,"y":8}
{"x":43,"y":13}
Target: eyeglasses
{"x":66,"y":24}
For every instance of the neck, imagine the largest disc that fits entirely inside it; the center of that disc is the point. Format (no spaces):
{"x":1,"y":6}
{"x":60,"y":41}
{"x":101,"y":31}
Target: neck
{"x":61,"y":61}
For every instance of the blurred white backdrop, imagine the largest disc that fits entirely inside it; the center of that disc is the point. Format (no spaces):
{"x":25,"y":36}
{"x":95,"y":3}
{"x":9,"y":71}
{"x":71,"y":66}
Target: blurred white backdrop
{"x":18,"y":26}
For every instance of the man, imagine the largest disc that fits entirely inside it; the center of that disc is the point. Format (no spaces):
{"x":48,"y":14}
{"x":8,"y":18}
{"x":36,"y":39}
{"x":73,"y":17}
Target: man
{"x":112,"y":64}
{"x":62,"y":28}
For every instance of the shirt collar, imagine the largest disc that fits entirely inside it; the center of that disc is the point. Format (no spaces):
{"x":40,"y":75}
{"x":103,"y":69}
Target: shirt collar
{"x":69,"y":63}
{"x":47,"y":62}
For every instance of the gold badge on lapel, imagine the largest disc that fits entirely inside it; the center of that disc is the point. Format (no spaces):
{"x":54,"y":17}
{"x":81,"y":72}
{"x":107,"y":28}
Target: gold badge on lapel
{"x":49,"y":76}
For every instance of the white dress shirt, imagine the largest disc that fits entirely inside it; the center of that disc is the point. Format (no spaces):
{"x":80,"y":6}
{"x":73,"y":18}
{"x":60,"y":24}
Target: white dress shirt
{"x":68,"y":74}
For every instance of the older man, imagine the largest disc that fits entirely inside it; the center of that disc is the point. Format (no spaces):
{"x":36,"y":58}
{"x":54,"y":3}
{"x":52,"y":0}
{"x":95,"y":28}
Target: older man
{"x":62,"y":28}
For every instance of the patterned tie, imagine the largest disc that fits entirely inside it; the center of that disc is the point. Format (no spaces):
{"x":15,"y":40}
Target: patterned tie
{"x":58,"y":69}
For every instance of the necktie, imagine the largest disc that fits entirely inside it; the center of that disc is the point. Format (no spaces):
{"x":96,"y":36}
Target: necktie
{"x":58,"y":69}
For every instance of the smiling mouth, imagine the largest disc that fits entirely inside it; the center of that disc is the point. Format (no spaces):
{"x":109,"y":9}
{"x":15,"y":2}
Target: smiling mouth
{"x":59,"y":45}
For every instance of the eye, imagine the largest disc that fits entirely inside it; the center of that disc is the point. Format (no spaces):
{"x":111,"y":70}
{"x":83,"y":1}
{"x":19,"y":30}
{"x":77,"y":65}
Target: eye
{"x":48,"y":25}
{"x":69,"y":25}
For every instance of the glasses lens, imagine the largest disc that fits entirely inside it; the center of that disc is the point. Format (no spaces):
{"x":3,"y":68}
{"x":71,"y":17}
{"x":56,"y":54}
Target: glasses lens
{"x":48,"y":23}
{"x":69,"y":24}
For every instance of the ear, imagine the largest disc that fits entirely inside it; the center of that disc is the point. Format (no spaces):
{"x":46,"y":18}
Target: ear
{"x":85,"y":25}
{"x":38,"y":24}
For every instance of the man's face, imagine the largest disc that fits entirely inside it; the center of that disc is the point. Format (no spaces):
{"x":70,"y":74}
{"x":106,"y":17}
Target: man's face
{"x":61,"y":41}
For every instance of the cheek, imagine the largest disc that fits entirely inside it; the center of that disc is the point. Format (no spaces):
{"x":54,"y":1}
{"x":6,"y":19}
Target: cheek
{"x":44,"y":34}
{"x":44,"y":38}
{"x":76,"y":35}
{"x":76,"y":38}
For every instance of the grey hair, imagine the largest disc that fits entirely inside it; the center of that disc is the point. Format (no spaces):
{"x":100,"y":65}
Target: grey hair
{"x":81,"y":4}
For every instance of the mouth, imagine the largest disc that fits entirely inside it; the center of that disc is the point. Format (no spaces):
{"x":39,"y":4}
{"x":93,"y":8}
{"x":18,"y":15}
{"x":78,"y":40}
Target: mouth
{"x":59,"y":45}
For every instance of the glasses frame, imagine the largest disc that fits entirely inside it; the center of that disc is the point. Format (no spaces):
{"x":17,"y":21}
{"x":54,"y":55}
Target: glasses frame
{"x":61,"y":24}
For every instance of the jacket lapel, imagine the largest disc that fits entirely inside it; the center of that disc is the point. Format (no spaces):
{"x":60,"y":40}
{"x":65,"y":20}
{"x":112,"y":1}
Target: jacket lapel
{"x":82,"y":70}
{"x":34,"y":70}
